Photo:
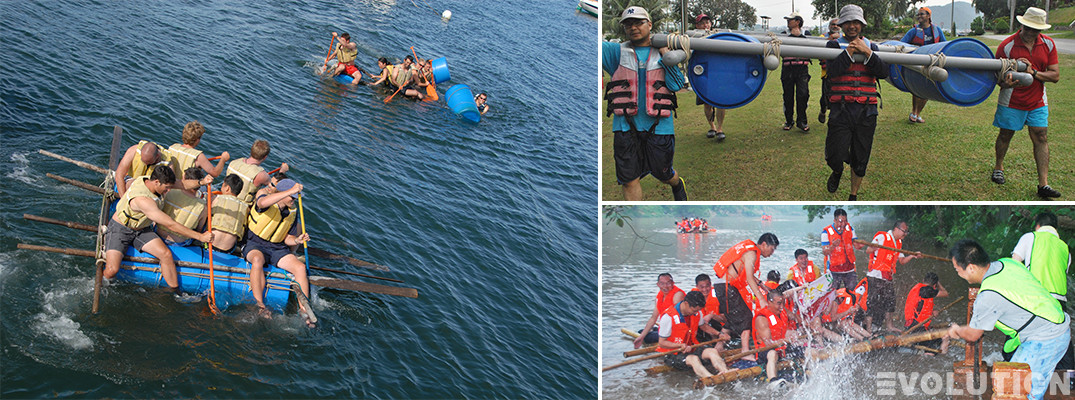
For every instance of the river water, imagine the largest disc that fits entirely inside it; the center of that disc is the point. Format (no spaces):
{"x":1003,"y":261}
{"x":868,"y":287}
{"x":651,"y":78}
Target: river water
{"x":492,"y":222}
{"x":629,"y":270}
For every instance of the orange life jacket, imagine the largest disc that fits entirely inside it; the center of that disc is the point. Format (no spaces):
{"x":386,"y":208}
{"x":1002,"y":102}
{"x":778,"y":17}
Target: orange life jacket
{"x":861,"y":291}
{"x":683,"y":327}
{"x":842,"y":257}
{"x":778,"y":327}
{"x":771,"y":285}
{"x":917,"y":309}
{"x":712,"y":305}
{"x":803,"y":277}
{"x":885,"y":260}
{"x":665,"y":300}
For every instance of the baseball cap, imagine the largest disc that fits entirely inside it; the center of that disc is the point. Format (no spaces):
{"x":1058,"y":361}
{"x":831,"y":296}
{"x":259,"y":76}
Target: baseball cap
{"x":285,"y":185}
{"x":700,"y":17}
{"x":634,"y":12}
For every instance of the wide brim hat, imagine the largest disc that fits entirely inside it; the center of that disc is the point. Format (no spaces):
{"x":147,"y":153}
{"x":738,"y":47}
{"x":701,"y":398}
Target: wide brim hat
{"x":849,"y":13}
{"x":634,"y":12}
{"x":1033,"y":18}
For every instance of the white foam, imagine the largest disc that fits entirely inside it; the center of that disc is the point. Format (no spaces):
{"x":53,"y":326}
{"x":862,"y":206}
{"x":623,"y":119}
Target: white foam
{"x":55,"y":320}
{"x":20,"y":168}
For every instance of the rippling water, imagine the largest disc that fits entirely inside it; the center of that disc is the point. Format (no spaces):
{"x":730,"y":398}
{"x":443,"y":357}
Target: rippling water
{"x":492,"y":222}
{"x":628,"y":284}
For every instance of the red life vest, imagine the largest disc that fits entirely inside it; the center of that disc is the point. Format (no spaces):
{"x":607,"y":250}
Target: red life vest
{"x":917,"y":309}
{"x":665,"y":300}
{"x":885,"y":260}
{"x":861,"y":291}
{"x":622,"y":90}
{"x":842,"y":257}
{"x":856,"y":85}
{"x":919,"y":38}
{"x":731,"y":256}
{"x":696,"y":224}
{"x":683,"y":328}
{"x":712,"y":304}
{"x":778,"y":327}
{"x":771,"y":285}
{"x":803,"y":277}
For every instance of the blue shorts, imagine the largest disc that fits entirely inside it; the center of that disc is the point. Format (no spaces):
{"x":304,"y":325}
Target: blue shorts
{"x":1013,"y":119}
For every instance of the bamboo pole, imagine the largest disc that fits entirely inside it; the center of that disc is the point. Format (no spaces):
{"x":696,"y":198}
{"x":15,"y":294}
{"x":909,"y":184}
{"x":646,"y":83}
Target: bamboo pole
{"x":876,"y":344}
{"x":650,"y":349}
{"x":738,"y":374}
{"x":630,"y":333}
{"x":69,"y":224}
{"x":73,"y":182}
{"x":82,"y":164}
{"x":872,"y":244}
{"x":904,"y":333}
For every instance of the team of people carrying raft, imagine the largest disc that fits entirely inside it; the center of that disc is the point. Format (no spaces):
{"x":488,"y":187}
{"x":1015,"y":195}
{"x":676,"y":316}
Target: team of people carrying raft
{"x":161,"y":202}
{"x":773,"y":313}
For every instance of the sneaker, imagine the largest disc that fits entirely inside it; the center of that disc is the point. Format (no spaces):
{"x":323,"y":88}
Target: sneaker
{"x":821,"y":117}
{"x":720,"y":136}
{"x":998,"y":176}
{"x":777,"y":384}
{"x":679,"y":192}
{"x":1047,"y":192}
{"x":711,"y":134}
{"x":787,"y":127}
{"x":852,"y":197}
{"x":804,"y":127}
{"x":834,"y":181}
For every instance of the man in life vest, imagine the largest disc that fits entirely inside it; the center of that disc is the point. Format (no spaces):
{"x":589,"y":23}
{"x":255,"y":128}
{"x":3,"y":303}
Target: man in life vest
{"x":641,"y":98}
{"x":795,"y":78}
{"x":771,"y":327}
{"x":251,"y":172}
{"x":772,"y":280}
{"x":842,"y":314}
{"x":137,"y":209}
{"x":920,"y":35}
{"x":229,"y":214}
{"x":345,"y":52}
{"x":185,"y":206}
{"x":186,"y":154}
{"x":853,"y":98}
{"x":1018,"y":105}
{"x":677,"y":326}
{"x":919,"y":308}
{"x":401,"y":77}
{"x":696,"y":225}
{"x":1046,"y":256}
{"x":832,"y":34}
{"x":740,"y":267}
{"x":139,"y":160}
{"x":713,"y":115}
{"x":803,"y":271}
{"x":711,"y":313}
{"x":881,"y":302}
{"x":480,"y":100}
{"x":668,"y":295}
{"x":271,"y":228}
{"x":1011,"y":300}
{"x":838,"y":246}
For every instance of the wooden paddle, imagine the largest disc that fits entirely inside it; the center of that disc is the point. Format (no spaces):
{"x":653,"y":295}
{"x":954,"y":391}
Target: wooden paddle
{"x":324,"y":67}
{"x":322,"y":281}
{"x":209,"y":227}
{"x":872,"y":244}
{"x":904,"y":333}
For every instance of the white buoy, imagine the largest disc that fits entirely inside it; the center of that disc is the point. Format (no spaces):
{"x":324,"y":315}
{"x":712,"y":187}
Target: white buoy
{"x":447,"y":14}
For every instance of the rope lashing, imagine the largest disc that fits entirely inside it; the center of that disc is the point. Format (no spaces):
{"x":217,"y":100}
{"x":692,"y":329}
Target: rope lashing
{"x":936,"y":60}
{"x":771,"y":47}
{"x":1006,"y":65}
{"x":681,"y":41}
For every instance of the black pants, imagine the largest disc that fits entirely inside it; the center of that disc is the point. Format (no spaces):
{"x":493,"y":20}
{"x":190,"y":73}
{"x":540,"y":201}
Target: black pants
{"x":796,"y":82}
{"x":824,"y":102}
{"x":850,"y":137}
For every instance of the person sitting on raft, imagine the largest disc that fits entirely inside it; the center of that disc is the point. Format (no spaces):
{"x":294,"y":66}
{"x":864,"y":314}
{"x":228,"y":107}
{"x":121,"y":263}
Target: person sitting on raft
{"x":676,"y":328}
{"x":139,"y":160}
{"x":919,"y":308}
{"x":668,"y":294}
{"x":346,"y":51}
{"x":841,"y":314}
{"x":130,"y":225}
{"x":400,"y":78}
{"x":480,"y":101}
{"x":229,"y":214}
{"x":771,"y":327}
{"x":185,"y":155}
{"x":271,"y":228}
{"x":185,"y":206}
{"x":251,"y":172}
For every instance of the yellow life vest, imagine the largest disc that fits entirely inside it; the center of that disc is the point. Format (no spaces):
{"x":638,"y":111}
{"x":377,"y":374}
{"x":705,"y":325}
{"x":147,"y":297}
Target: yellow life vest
{"x":184,"y":209}
{"x":182,"y":158}
{"x":345,"y":55}
{"x":136,"y":220}
{"x":270,"y":225}
{"x":248,"y":172}
{"x":139,"y":168}
{"x":229,"y":215}
{"x":404,"y":76}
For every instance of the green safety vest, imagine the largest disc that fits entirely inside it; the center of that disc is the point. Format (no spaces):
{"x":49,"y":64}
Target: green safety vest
{"x":1049,"y":258}
{"x":1018,"y":286}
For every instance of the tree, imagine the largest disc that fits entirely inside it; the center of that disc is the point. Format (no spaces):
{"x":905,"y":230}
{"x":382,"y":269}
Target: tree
{"x":876,"y":12}
{"x":658,"y":12}
{"x":726,"y":14}
{"x":994,"y":9}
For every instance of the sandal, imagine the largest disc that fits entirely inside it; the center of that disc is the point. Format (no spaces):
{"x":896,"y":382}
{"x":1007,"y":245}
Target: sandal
{"x":919,"y":119}
{"x":787,"y":127}
{"x":711,"y":134}
{"x":911,"y":117}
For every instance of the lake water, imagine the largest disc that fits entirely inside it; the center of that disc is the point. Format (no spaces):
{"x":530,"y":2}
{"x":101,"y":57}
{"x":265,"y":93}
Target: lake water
{"x":629,"y":270}
{"x":493,"y":223}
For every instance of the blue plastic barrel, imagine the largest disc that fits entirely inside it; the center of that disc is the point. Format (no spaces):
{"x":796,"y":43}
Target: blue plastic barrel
{"x":344,"y":79}
{"x":895,"y":71}
{"x":440,"y":70}
{"x":964,"y":87}
{"x":727,"y":80}
{"x":461,"y":100}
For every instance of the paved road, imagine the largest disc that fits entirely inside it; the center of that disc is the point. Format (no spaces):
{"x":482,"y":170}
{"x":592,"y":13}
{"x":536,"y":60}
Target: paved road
{"x":1063,"y":46}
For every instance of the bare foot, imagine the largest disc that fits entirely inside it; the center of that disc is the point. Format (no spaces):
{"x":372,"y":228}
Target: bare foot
{"x":264,"y":312}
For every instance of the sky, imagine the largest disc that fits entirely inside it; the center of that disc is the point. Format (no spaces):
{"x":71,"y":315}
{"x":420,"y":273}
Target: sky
{"x":778,"y":9}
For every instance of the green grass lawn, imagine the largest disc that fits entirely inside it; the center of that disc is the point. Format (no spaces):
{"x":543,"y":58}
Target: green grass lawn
{"x":1061,"y":16}
{"x":949,"y":157}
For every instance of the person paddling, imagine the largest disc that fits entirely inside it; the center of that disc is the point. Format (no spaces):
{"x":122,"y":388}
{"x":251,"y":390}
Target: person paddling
{"x":677,"y":327}
{"x":271,"y":229}
{"x":346,"y":51}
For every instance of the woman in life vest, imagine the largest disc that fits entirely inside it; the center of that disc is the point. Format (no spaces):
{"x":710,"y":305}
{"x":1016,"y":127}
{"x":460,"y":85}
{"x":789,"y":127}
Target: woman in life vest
{"x":920,"y":35}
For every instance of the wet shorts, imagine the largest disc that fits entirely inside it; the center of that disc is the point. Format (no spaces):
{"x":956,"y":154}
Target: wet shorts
{"x":273,"y":251}
{"x":640,"y":153}
{"x":349,"y":69}
{"x":734,"y":309}
{"x":882,"y":297}
{"x":1013,"y":119}
{"x":119,"y":237}
{"x":679,"y":360}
